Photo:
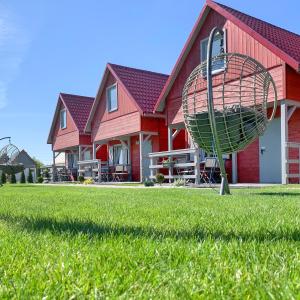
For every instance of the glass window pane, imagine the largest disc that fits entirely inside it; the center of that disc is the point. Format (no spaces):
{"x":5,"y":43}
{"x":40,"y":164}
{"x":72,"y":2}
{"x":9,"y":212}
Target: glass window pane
{"x":216,"y":50}
{"x":112,"y":98}
{"x":63,"y":119}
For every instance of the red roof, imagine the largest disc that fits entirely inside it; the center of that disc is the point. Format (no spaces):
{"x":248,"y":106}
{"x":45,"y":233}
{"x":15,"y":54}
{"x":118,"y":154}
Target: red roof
{"x":79,"y":107}
{"x":144,"y":86}
{"x":283,"y":43}
{"x":285,"y":40}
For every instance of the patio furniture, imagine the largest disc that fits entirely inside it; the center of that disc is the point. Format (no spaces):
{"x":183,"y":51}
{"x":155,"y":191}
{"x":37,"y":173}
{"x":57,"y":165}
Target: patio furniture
{"x":210,"y":171}
{"x":120,"y":173}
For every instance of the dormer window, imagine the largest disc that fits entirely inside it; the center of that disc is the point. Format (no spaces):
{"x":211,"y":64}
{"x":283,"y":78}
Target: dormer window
{"x":112,"y":98}
{"x":63,"y":119}
{"x":219,"y":47}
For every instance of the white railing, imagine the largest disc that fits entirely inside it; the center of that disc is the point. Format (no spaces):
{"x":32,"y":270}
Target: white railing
{"x":177,"y":159}
{"x":293,"y":163}
{"x":92,"y":166}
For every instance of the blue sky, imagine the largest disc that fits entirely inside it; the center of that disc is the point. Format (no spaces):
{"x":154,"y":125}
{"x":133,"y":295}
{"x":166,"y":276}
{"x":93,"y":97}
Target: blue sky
{"x":52,"y":46}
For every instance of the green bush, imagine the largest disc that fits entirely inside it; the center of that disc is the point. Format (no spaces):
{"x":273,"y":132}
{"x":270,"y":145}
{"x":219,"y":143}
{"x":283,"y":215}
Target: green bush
{"x":3,"y":178}
{"x":46,"y":174}
{"x":160,"y":178}
{"x":29,"y":177}
{"x":81,"y":179}
{"x":40,"y":179}
{"x":148,"y":183}
{"x":13,"y":179}
{"x":23,"y":179}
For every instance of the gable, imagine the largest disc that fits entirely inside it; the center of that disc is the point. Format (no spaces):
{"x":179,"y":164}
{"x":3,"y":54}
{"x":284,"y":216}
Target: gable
{"x":125,"y":104}
{"x":237,"y":41}
{"x":56,"y":131}
{"x":262,"y":47}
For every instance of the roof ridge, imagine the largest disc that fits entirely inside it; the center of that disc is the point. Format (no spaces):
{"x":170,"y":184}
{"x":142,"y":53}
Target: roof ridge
{"x":261,"y":20}
{"x":75,"y":95}
{"x":139,"y":70}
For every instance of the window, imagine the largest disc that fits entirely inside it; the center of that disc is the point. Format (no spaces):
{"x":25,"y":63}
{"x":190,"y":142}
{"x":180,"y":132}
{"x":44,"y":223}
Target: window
{"x":118,"y":155}
{"x":218,"y":48}
{"x":63,"y":119}
{"x":112,"y":98}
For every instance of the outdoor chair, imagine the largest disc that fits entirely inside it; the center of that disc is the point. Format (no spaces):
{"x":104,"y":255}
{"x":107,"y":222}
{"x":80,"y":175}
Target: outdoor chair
{"x":210,"y":170}
{"x":120,"y":173}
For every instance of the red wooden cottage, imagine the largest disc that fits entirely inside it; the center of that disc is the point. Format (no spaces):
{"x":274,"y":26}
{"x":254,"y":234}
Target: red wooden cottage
{"x":67,"y":130}
{"x":274,"y":157}
{"x":123,"y":127}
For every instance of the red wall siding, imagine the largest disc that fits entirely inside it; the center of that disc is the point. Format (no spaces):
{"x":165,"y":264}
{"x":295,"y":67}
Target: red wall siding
{"x":109,"y":124}
{"x":294,"y":136}
{"x":135,"y":158}
{"x":64,"y":138}
{"x":102,"y":153}
{"x":248,"y":164}
{"x":85,"y":139}
{"x":120,"y":126}
{"x":237,"y":41}
{"x":292,"y":84}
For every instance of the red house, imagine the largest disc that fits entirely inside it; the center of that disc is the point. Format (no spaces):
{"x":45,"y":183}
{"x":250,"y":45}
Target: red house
{"x":273,"y":157}
{"x":136,"y":119}
{"x":67,"y":130}
{"x":123,"y":127}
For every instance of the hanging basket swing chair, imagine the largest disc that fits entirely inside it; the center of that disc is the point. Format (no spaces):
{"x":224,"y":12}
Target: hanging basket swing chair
{"x":242,"y":89}
{"x":226,"y":102}
{"x":8,"y":155}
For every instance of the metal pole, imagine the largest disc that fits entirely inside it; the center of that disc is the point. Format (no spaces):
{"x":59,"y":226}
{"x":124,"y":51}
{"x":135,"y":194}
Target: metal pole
{"x":224,"y":183}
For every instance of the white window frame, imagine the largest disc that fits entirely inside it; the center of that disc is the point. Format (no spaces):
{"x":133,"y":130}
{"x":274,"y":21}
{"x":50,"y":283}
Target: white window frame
{"x":203,"y":57}
{"x":65,"y":118}
{"x":109,"y":109}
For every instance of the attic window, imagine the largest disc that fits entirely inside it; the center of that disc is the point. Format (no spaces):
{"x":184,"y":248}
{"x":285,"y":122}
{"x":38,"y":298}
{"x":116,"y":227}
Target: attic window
{"x":112,"y":98}
{"x":219,"y":47}
{"x":63,"y":119}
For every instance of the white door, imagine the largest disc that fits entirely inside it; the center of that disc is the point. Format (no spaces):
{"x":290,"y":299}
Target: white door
{"x":270,"y":154}
{"x":147,"y":148}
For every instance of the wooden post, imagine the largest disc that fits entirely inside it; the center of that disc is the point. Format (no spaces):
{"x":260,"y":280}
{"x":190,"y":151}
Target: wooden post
{"x":170,"y":138}
{"x":79,"y":153}
{"x":99,"y":171}
{"x":129,"y":158}
{"x":197,"y":165}
{"x":53,"y":167}
{"x":141,"y":137}
{"x":94,"y":150}
{"x":234,"y":168}
{"x":284,"y":140}
{"x":151,"y":170}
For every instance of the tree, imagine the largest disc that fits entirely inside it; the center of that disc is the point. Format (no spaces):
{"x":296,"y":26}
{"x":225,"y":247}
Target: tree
{"x":30,"y":178}
{"x":13,"y":179}
{"x":38,"y":163}
{"x":3,"y":178}
{"x":23,"y":179}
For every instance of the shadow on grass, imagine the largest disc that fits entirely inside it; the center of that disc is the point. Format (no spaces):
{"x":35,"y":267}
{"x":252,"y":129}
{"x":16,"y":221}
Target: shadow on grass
{"x":91,"y":229}
{"x":279,"y":194}
{"x":23,"y":185}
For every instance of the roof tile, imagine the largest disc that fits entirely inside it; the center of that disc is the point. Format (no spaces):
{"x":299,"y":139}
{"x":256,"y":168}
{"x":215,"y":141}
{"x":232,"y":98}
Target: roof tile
{"x":285,"y":40}
{"x":79,"y":107}
{"x":144,"y":86}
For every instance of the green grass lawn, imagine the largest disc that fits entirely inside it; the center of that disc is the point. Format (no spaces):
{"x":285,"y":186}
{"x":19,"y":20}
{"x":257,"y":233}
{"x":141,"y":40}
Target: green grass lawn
{"x":74,"y":242}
